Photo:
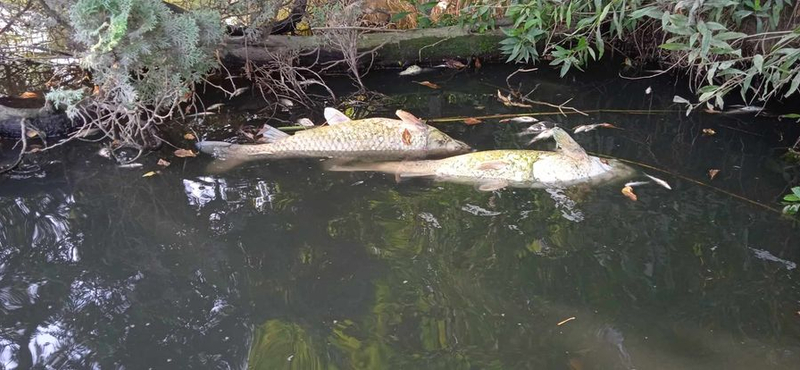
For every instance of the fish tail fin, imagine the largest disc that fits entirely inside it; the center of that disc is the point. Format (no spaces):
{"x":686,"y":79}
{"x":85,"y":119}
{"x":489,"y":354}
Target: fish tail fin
{"x":400,"y":169}
{"x":228,"y":155}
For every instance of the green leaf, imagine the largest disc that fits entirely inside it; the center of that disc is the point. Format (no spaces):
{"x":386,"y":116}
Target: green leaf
{"x":674,"y":46}
{"x":399,"y":16}
{"x":565,"y":67}
{"x":796,"y":191}
{"x":791,"y":198}
{"x":758,"y":62}
{"x":598,"y":42}
{"x":650,"y":11}
{"x":725,"y":36}
{"x":794,"y":86}
{"x":790,"y":116}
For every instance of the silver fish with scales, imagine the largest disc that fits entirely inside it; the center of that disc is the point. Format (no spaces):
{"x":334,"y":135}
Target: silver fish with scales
{"x":363,"y":139}
{"x":497,"y":169}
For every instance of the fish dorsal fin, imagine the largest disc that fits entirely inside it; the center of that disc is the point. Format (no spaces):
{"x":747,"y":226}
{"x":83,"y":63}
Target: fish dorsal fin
{"x":568,"y":146}
{"x":410,"y":121}
{"x":334,"y":116}
{"x":271,"y":134}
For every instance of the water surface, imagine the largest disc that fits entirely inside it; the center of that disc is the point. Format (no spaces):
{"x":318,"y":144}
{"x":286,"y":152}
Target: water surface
{"x":279,"y":265}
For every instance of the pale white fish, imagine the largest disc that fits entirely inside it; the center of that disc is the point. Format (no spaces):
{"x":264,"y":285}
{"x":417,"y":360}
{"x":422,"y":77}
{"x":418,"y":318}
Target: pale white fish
{"x":648,"y":90}
{"x":215,"y":106}
{"x":305,"y":122}
{"x":130,"y":165}
{"x":104,"y":152}
{"x":637,"y":183}
{"x":546,"y":134}
{"x":586,"y":128}
{"x":659,"y":181}
{"x":520,"y":119}
{"x":536,"y":128}
{"x":411,"y":70}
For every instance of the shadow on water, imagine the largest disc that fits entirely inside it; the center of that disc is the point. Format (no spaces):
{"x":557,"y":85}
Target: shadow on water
{"x":281,"y":266}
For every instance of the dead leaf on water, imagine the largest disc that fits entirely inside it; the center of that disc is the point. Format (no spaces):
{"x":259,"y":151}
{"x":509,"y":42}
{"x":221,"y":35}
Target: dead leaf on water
{"x":189,"y":136}
{"x":162,"y":162}
{"x":472,"y":121}
{"x":428,"y":84}
{"x":628,"y":192}
{"x":709,"y":132}
{"x":151,"y":173}
{"x":31,"y":133}
{"x":406,"y":137}
{"x":713,"y":173}
{"x":183,"y":153}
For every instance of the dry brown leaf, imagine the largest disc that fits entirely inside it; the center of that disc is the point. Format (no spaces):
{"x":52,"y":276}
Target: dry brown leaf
{"x":29,"y":95}
{"x":455,"y":64}
{"x":628,"y":192}
{"x":151,"y":173}
{"x":31,"y":133}
{"x":713,"y":173}
{"x":472,"y":121}
{"x":709,"y":131}
{"x":189,"y":136}
{"x":183,"y":153}
{"x":406,"y":137}
{"x":427,"y":84}
{"x":162,"y":162}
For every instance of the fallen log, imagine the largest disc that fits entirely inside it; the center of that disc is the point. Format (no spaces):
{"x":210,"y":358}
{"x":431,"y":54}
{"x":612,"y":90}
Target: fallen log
{"x":392,"y":47}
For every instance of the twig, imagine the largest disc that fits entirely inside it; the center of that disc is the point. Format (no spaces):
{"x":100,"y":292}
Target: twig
{"x":24,"y":139}
{"x":419,"y":53}
{"x":373,"y":29}
{"x":508,"y":83}
{"x":509,"y":115}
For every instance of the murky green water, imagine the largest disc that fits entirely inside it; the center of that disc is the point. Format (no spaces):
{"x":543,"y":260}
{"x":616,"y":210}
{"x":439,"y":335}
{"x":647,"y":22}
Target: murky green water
{"x":282,"y":266}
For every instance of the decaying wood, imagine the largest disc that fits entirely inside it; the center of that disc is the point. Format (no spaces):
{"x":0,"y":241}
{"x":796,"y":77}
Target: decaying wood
{"x":398,"y":47}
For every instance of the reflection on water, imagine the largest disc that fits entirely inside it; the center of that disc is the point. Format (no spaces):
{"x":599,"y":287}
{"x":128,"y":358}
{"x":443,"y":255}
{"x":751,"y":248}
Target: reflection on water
{"x":282,"y":266}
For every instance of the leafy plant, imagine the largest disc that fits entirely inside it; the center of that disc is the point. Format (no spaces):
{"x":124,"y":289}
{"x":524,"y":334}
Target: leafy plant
{"x":792,"y":202}
{"x":730,"y":45}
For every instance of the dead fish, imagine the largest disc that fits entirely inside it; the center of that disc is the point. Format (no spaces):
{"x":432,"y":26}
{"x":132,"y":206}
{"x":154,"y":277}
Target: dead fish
{"x":659,"y":181}
{"x":215,"y":106}
{"x":587,"y":128}
{"x":200,"y":114}
{"x":497,"y":169}
{"x":537,"y":128}
{"x":130,"y":165}
{"x":411,"y":70}
{"x":521,"y":119}
{"x":368,"y":139}
{"x":636,"y":183}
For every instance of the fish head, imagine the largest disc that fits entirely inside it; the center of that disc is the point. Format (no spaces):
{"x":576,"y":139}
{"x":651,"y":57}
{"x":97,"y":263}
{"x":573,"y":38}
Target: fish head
{"x":439,"y":143}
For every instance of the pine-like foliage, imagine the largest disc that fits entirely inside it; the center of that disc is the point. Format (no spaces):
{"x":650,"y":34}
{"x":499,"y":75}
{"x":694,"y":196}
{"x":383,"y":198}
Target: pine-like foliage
{"x":144,"y":58}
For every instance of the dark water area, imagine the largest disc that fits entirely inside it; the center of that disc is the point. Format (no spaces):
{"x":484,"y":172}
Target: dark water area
{"x":280,"y":265}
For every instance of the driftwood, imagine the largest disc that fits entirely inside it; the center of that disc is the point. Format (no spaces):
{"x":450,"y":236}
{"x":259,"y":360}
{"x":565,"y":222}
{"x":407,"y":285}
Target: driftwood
{"x":393,"y":47}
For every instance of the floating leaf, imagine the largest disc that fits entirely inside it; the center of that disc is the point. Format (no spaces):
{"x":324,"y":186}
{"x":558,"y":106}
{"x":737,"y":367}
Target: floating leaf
{"x":427,"y":84}
{"x":406,"y":137}
{"x":32,"y":133}
{"x":680,"y":100}
{"x":183,"y":153}
{"x":472,"y":121}
{"x":151,"y":173}
{"x":712,"y":173}
{"x":628,"y":192}
{"x":709,"y":132}
{"x":163,"y":162}
{"x":189,"y":136}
